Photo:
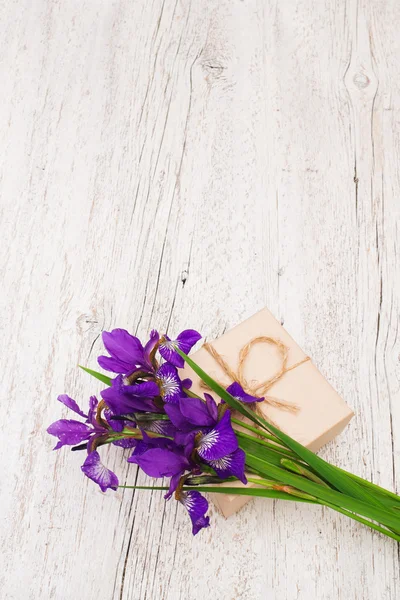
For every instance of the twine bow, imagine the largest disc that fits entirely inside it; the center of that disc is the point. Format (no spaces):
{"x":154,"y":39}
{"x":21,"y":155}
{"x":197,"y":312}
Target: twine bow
{"x":258,"y":389}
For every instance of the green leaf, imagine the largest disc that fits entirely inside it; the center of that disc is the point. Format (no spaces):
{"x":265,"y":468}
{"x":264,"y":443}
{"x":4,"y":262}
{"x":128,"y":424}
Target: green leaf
{"x":264,"y":444}
{"x":331,"y":474}
{"x":384,"y":495}
{"x":254,"y":447}
{"x":300,"y":470}
{"x":259,"y":432}
{"x":96,"y":375}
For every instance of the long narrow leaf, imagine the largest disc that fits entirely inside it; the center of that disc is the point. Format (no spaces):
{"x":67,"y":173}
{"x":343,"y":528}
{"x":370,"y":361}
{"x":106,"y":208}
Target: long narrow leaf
{"x":252,"y":446}
{"x":385,"y":495}
{"x":96,"y":375}
{"x":265,"y":444}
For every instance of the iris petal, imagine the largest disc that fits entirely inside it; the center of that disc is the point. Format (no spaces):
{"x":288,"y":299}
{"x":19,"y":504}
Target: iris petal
{"x":71,"y":404}
{"x":147,"y":389}
{"x":177,"y":418}
{"x":97,"y":472}
{"x":231,"y":465}
{"x":173,"y":484}
{"x":211,"y":406}
{"x":197,"y":506}
{"x":220,"y":441}
{"x":126,"y":351}
{"x":161,"y":427}
{"x":128,"y":442}
{"x":185,"y":342}
{"x":113,"y":365}
{"x":170,"y":384}
{"x":196,"y":412}
{"x":236,"y":390}
{"x":122,"y":401}
{"x":120,"y":344}
{"x":69,"y":432}
{"x":149,"y":347}
{"x":159,"y":462}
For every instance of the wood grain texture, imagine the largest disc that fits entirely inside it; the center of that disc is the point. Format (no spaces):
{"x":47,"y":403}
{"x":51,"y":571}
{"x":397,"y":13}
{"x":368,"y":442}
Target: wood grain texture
{"x":180,"y":163}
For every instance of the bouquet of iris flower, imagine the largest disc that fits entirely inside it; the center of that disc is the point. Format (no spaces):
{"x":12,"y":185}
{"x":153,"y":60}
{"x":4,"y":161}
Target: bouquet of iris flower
{"x":199,"y":444}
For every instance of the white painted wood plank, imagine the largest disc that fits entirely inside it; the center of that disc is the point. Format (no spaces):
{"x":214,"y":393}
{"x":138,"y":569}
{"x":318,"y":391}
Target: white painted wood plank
{"x":183,"y":164}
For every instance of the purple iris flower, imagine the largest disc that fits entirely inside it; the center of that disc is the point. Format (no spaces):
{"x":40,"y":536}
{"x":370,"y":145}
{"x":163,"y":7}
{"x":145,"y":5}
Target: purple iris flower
{"x":190,"y":434}
{"x":94,"y":431}
{"x":125,"y":350}
{"x":190,"y":414}
{"x":160,"y":462}
{"x":161,"y":457}
{"x":170,"y":385}
{"x":185,"y":342}
{"x":197,"y":506}
{"x":70,"y":432}
{"x":127,"y":353}
{"x":127,"y":356}
{"x":236,"y":390}
{"x":125,"y":399}
{"x":218,"y":446}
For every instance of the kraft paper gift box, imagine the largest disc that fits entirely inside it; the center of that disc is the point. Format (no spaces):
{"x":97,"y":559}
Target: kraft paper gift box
{"x":319,"y":414}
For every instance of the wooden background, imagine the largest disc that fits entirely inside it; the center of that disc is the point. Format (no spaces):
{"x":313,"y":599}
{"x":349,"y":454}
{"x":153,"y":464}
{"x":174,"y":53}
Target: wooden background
{"x":179,"y":164}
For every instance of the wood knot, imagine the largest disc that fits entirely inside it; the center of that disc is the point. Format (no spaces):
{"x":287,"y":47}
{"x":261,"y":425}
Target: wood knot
{"x":213,"y":68}
{"x":88,"y":322}
{"x":361,"y":81}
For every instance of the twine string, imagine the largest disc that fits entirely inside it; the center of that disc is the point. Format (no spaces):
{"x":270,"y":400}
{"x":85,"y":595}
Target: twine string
{"x":257,"y":389}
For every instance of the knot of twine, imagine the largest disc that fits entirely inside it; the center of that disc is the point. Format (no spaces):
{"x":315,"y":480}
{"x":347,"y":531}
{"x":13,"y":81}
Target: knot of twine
{"x":257,"y":389}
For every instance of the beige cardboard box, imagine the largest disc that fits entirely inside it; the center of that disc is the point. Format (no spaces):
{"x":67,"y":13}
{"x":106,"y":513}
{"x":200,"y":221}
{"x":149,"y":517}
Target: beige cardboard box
{"x":321,"y":413}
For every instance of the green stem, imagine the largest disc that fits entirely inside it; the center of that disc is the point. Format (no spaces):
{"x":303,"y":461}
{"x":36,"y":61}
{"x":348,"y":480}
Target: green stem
{"x":372,"y":486}
{"x":272,"y":446}
{"x":133,"y":434}
{"x":259,"y":432}
{"x":219,"y":489}
{"x":192,"y":394}
{"x":281,"y":487}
